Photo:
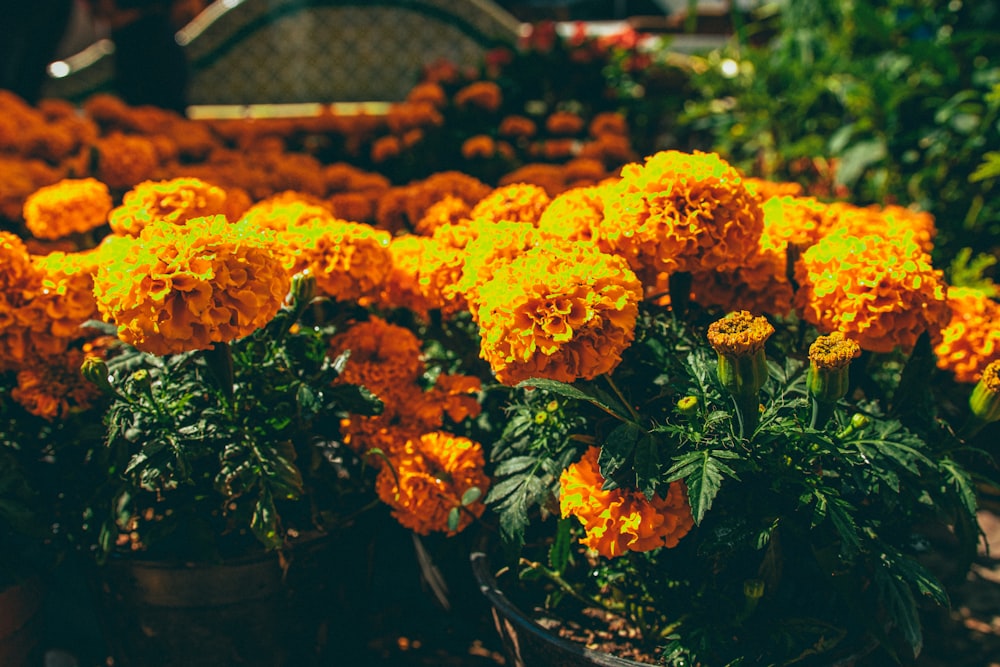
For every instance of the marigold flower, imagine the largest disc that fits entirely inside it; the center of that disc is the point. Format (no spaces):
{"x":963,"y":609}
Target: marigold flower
{"x":492,"y":245}
{"x":53,"y":387}
{"x":738,"y":339}
{"x":574,"y":214}
{"x":682,"y":212}
{"x":67,"y":207}
{"x":563,"y":312}
{"x":880,"y":292}
{"x":353,"y":206}
{"x":798,"y":221}
{"x":550,"y":177}
{"x":173,"y":200}
{"x":427,"y":479}
{"x":767,"y":189}
{"x":428,"y":91}
{"x":383,"y":356}
{"x":350,"y":260}
{"x":608,"y":122}
{"x":385,"y":148}
{"x":984,"y":401}
{"x":760,"y":284}
{"x":481,"y":146}
{"x":889,"y":221}
{"x":124,"y":160}
{"x":424,"y":272}
{"x":484,"y":95}
{"x":621,"y":520}
{"x":447,"y":211}
{"x":179,"y":287}
{"x":288,"y":210}
{"x":564,"y":122}
{"x":515,"y":126}
{"x":521,"y":202}
{"x":739,"y":334}
{"x":971,"y":338}
{"x":405,"y":116}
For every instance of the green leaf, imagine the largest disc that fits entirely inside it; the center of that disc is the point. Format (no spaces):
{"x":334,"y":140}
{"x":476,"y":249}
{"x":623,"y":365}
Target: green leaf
{"x":264,"y":521}
{"x":703,"y":472}
{"x":897,"y":599}
{"x":961,"y":482}
{"x":617,"y":448}
{"x":856,"y":159}
{"x":471,"y":495}
{"x":647,"y":465}
{"x":453,"y":517}
{"x":559,"y":551}
{"x":589,"y":394}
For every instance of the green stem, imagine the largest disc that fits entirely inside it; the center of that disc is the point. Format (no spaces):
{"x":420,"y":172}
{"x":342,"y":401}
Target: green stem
{"x":621,"y":397}
{"x":557,"y":579}
{"x":821,"y":413}
{"x":747,"y":413}
{"x":219,"y":358}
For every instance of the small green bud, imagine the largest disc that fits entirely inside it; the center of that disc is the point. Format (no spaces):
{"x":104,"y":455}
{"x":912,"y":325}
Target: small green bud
{"x":985,"y":398}
{"x":859,"y":420}
{"x":303,"y":287}
{"x":688,"y":405}
{"x":95,"y":370}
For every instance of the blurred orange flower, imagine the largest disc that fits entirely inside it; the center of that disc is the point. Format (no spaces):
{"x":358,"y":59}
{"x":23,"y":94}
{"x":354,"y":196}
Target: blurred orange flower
{"x":971,"y":338}
{"x":67,"y":207}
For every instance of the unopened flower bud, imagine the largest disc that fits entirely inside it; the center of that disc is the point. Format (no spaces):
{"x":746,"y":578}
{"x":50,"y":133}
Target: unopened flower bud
{"x":753,"y":589}
{"x":303,"y":287}
{"x":95,"y":370}
{"x":829,"y":361}
{"x":738,"y":339}
{"x":687,"y":405}
{"x":985,"y":398}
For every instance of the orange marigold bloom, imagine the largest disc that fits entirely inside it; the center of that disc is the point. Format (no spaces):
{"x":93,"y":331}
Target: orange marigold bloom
{"x":485,"y":95}
{"x":574,"y":214}
{"x":427,"y":479}
{"x":385,"y":148}
{"x":621,"y":520}
{"x":353,"y":206}
{"x":739,"y":334}
{"x":66,"y":294}
{"x":53,"y":388}
{"x":455,"y":395}
{"x":124,"y":160}
{"x":611,"y":149}
{"x":383,"y":356}
{"x":287,"y":210}
{"x":344,"y":177}
{"x":517,"y":126}
{"x":608,"y":122}
{"x":799,"y":221}
{"x":563,"y":312}
{"x":549,"y":177}
{"x":179,"y":287}
{"x":428,"y":91}
{"x":760,"y":284}
{"x":480,"y":146}
{"x":880,"y":292}
{"x":404,"y":207}
{"x":564,"y":122}
{"x":424,"y":272}
{"x":971,"y":338}
{"x":888,"y":221}
{"x":559,"y":149}
{"x":67,"y":207}
{"x":493,"y":244}
{"x":174,"y":200}
{"x":682,"y":212}
{"x":350,"y":260}
{"x":521,"y":202}
{"x":448,"y":211}
{"x":767,"y":189}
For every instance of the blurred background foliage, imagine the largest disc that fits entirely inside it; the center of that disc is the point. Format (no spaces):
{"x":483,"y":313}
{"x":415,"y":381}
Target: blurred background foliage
{"x":895,"y":101}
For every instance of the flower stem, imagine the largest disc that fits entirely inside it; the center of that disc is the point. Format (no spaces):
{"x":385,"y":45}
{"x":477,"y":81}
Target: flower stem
{"x":219,"y":359}
{"x":821,"y":413}
{"x":747,"y":413}
{"x":621,"y":397}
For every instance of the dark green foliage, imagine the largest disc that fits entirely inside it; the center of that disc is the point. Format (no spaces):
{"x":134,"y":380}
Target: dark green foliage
{"x":211,"y":452}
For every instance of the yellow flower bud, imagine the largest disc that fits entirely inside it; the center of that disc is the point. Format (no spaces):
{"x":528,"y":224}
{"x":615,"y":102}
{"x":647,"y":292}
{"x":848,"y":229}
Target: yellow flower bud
{"x":829,"y":360}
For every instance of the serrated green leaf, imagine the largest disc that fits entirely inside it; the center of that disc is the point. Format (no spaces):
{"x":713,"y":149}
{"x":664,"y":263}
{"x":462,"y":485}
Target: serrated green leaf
{"x":703,"y":472}
{"x":898,"y":601}
{"x":961,"y":482}
{"x":514,"y":465}
{"x":264,"y":521}
{"x":617,"y":448}
{"x":647,"y":465}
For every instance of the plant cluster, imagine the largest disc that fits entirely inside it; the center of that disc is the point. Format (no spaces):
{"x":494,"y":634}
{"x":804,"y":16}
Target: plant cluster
{"x":878,"y":102}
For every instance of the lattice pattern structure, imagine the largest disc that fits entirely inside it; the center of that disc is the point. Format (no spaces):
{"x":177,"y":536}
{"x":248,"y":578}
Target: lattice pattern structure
{"x":292,"y":51}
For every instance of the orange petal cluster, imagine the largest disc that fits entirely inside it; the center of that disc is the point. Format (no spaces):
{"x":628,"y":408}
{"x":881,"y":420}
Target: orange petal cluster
{"x":621,"y":520}
{"x":971,"y":338}
{"x":882,"y":292}
{"x":681,"y":212}
{"x":427,"y":478}
{"x":560,"y":311}
{"x":70,"y":206}
{"x":174,"y":200}
{"x":187,"y":286}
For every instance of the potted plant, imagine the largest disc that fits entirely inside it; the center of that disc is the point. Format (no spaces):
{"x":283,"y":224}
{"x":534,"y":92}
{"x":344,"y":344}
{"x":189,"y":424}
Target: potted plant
{"x":732,"y":436}
{"x":218,"y":522}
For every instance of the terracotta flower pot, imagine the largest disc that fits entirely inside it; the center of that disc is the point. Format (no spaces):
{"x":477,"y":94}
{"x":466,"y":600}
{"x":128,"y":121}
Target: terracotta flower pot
{"x":246,"y":612}
{"x":20,"y":623}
